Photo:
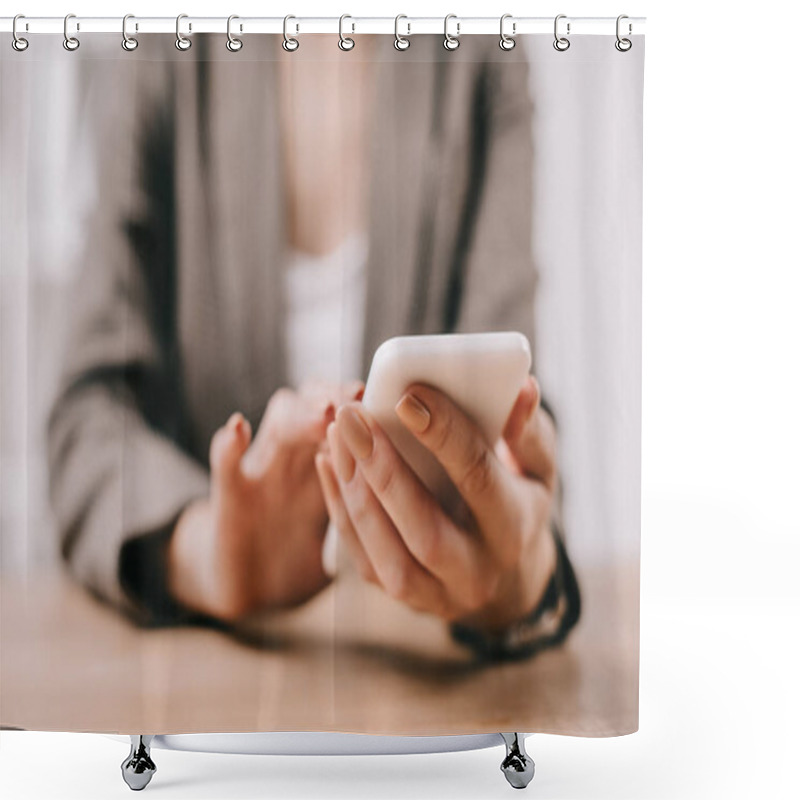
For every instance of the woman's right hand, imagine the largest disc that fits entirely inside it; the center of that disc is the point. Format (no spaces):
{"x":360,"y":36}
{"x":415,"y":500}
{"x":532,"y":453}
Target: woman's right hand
{"x":256,"y":541}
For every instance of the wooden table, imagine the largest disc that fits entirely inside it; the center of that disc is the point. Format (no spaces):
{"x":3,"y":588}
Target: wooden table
{"x":350,"y":660}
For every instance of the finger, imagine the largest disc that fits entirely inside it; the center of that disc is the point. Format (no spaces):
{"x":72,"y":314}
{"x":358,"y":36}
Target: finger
{"x":398,"y":572}
{"x":524,"y":406}
{"x":228,"y":445}
{"x":289,"y":421}
{"x":343,"y":462}
{"x":291,"y":417}
{"x":336,"y":393}
{"x":338,"y":515}
{"x":447,"y":552}
{"x":460,"y":447}
{"x":532,"y":441}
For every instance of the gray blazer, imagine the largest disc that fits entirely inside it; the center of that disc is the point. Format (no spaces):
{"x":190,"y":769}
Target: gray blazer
{"x":178,"y":317}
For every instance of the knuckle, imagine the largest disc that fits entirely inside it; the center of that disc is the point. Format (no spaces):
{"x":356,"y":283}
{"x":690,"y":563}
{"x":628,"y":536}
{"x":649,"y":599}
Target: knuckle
{"x":357,"y":505}
{"x":510,"y":552}
{"x":385,"y":477}
{"x":480,"y":586}
{"x":341,"y":520}
{"x":478,"y":474}
{"x":281,"y":399}
{"x":479,"y":594}
{"x":441,"y":432}
{"x":231,"y":606}
{"x":430,"y":545}
{"x":368,"y":574}
{"x":399,"y":580}
{"x":441,"y":607}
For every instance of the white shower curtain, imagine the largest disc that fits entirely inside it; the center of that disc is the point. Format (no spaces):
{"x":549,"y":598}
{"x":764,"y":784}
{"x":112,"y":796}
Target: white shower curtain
{"x":152,"y":204}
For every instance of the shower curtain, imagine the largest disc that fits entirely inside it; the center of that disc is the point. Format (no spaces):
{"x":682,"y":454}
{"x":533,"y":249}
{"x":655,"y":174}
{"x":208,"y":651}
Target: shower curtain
{"x":204,"y":526}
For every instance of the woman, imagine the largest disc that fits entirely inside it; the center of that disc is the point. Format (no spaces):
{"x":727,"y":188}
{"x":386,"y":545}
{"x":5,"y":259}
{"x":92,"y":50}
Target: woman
{"x":268,"y":224}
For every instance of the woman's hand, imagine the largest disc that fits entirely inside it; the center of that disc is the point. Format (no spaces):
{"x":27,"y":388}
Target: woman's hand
{"x":487,"y":573}
{"x":256,"y":541}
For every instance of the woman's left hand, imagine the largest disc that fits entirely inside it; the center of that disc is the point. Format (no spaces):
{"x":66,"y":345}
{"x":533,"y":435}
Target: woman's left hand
{"x":488,"y":573}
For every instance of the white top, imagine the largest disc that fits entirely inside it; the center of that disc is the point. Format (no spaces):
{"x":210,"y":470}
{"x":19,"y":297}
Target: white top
{"x":325,"y":305}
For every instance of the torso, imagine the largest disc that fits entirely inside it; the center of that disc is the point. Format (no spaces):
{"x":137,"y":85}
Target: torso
{"x":325,"y":125}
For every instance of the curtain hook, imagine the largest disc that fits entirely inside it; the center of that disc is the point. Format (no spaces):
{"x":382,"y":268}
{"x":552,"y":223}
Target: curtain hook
{"x":233,"y":44}
{"x":17,"y":42}
{"x":401,"y":42}
{"x":290,"y":44}
{"x":561,"y":43}
{"x":623,"y":44}
{"x":181,"y":42}
{"x":346,"y":42}
{"x":129,"y":43}
{"x":71,"y":43}
{"x":451,"y":42}
{"x":507,"y":42}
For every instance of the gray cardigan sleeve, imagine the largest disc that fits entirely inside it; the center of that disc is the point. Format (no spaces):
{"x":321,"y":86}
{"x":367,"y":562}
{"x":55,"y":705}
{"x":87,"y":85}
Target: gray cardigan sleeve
{"x":118,"y":475}
{"x":495,"y":284}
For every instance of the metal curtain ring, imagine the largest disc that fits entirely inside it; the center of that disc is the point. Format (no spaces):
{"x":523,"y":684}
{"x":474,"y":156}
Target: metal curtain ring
{"x":401,"y":42}
{"x":623,"y":44}
{"x":507,"y":42}
{"x":17,"y":42}
{"x":290,"y":44}
{"x":561,"y":43}
{"x":129,"y":43}
{"x":233,"y":44}
{"x":70,"y":42}
{"x":181,"y":42}
{"x":451,"y":42}
{"x":346,"y":42}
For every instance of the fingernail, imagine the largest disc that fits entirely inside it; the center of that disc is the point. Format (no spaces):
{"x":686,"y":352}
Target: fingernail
{"x":343,"y":462}
{"x":330,"y":413}
{"x":238,"y":422}
{"x":356,"y":389}
{"x":355,"y":432}
{"x":413,"y":413}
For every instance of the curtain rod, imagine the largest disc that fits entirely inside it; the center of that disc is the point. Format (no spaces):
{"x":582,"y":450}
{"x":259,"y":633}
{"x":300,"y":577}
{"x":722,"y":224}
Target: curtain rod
{"x":357,"y":25}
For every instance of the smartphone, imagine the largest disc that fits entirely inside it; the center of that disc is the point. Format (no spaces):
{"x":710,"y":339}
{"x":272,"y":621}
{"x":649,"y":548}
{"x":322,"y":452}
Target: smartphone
{"x":482,"y":373}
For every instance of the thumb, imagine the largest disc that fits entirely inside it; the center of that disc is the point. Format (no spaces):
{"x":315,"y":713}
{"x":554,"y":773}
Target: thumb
{"x":531,"y":436}
{"x":523,"y":409}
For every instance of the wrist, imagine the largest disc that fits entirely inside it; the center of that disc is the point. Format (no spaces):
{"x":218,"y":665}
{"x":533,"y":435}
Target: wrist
{"x":189,"y":562}
{"x":521,"y":590}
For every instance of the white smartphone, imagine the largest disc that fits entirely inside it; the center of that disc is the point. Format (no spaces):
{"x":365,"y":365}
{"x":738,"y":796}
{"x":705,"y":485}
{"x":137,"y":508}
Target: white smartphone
{"x":481,"y":372}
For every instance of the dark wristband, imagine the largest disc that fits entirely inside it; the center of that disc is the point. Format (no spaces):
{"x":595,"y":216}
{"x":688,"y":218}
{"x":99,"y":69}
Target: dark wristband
{"x":545,"y":626}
